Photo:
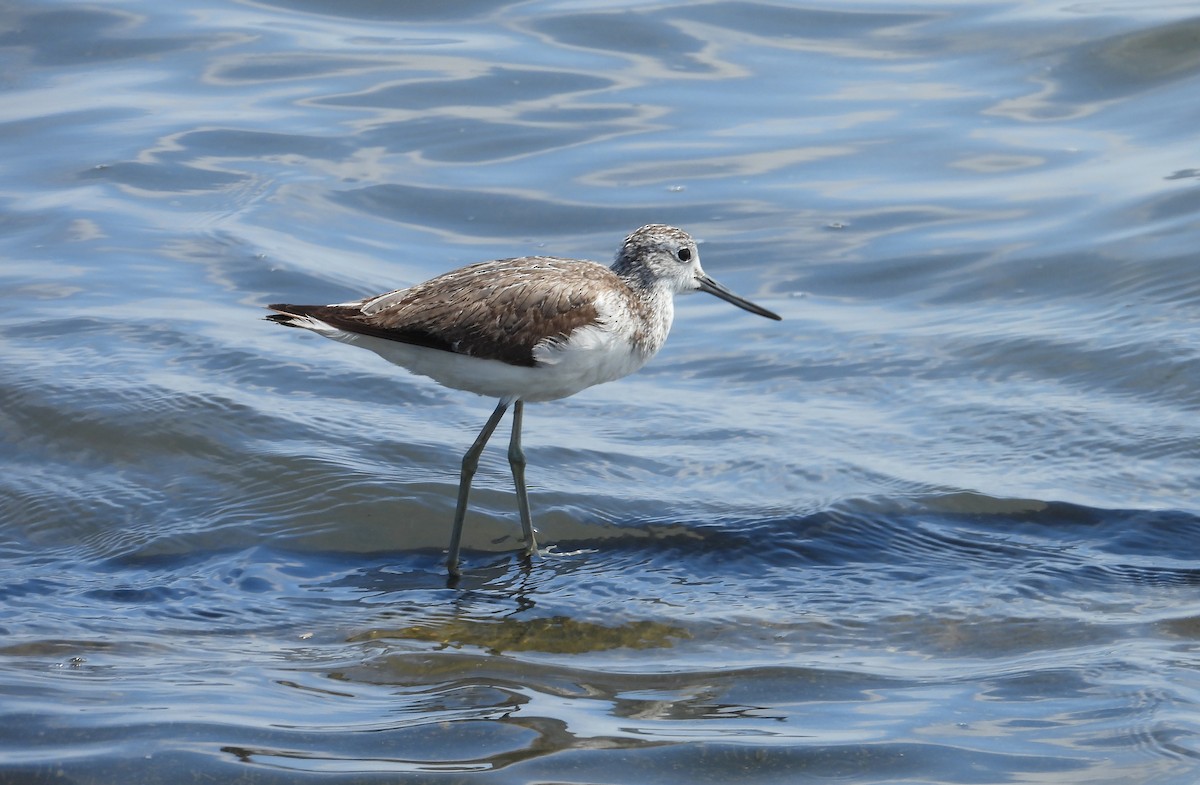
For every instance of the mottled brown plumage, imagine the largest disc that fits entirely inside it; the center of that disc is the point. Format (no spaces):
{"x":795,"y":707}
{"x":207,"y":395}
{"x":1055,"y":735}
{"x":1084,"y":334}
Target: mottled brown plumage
{"x":497,"y":310}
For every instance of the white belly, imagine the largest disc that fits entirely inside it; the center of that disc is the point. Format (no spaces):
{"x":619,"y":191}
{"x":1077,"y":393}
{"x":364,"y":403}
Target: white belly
{"x":590,"y":357}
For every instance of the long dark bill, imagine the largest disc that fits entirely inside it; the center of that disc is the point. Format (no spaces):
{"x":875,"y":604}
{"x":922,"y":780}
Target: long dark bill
{"x":712,"y":287}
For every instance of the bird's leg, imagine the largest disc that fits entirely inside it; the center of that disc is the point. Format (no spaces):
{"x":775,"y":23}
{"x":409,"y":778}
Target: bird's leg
{"x":470,"y":463}
{"x":516,"y":459}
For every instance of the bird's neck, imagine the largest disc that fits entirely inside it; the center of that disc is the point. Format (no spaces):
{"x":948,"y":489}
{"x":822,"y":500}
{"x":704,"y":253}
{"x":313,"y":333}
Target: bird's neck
{"x":635,"y":275}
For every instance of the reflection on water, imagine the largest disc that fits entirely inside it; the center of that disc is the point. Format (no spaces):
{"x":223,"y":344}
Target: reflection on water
{"x":937,"y":526}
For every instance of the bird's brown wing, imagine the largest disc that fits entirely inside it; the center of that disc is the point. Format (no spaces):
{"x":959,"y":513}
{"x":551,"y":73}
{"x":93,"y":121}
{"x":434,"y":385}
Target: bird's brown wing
{"x":496,"y":310}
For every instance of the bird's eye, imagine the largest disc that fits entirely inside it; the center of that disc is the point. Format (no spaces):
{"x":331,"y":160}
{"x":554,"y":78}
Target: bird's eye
{"x":684,"y":254}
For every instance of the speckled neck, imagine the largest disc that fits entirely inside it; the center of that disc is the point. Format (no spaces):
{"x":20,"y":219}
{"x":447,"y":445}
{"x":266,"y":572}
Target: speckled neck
{"x":630,"y":267}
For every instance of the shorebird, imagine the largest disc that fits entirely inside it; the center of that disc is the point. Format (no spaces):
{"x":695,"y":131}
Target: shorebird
{"x":534,"y":328}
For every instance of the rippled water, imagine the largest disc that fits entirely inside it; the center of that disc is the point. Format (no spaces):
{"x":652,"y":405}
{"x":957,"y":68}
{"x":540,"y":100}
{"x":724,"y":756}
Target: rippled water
{"x":940,"y":525}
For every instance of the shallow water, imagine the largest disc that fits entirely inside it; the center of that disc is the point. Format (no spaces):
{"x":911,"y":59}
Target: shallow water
{"x":940,"y":525}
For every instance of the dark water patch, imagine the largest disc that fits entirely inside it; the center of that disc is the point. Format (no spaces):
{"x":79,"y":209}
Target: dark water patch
{"x":122,"y":426}
{"x":630,"y":34}
{"x":370,"y":11}
{"x":495,"y":214}
{"x":717,"y":762}
{"x":1046,"y":549}
{"x":785,"y":25}
{"x":505,"y":85}
{"x":79,"y":36}
{"x":224,"y":593}
{"x":161,"y":177}
{"x":1057,"y":279}
{"x":58,"y":125}
{"x":136,"y":596}
{"x":1105,"y":75}
{"x":237,"y":143}
{"x":639,"y":691}
{"x":1133,"y":62}
{"x":1172,"y":208}
{"x":584,"y":118}
{"x":467,"y":140}
{"x":937,"y":558}
{"x":32,"y":586}
{"x":259,"y":68}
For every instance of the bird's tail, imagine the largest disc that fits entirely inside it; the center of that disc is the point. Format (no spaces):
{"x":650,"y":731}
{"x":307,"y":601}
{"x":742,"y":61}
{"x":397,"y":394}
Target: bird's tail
{"x":294,"y":316}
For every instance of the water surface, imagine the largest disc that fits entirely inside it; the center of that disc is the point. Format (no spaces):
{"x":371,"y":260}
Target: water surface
{"x":937,"y":526}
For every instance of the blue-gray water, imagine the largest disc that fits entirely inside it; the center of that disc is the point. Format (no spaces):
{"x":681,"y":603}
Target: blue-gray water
{"x":940,"y":525}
